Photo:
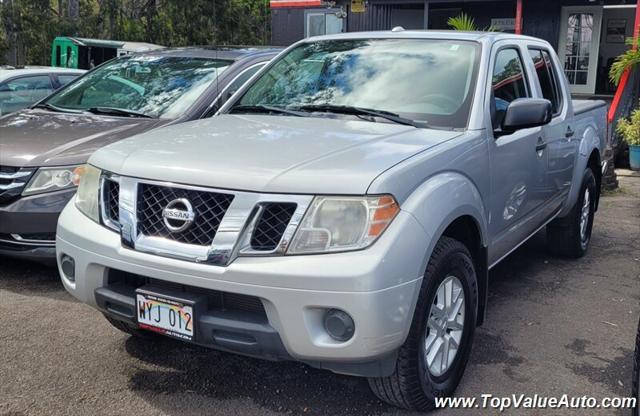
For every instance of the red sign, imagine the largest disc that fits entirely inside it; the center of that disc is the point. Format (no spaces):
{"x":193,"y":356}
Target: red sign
{"x":295,"y":3}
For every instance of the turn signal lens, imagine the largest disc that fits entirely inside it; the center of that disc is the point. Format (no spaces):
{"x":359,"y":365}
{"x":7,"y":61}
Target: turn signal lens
{"x":385,"y":212}
{"x":77,"y":174}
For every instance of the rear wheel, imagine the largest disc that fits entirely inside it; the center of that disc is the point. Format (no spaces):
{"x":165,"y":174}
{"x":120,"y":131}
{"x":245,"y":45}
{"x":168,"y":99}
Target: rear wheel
{"x":432,"y":360}
{"x":570,"y":236}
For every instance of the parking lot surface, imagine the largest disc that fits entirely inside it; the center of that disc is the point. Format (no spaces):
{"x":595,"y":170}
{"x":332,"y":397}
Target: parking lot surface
{"x":553,"y":327}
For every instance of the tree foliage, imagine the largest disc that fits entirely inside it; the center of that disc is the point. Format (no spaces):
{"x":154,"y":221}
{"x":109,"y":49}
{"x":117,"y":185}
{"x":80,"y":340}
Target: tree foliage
{"x":466,"y":23}
{"x":33,"y":24}
{"x":629,"y":128}
{"x":628,"y":60}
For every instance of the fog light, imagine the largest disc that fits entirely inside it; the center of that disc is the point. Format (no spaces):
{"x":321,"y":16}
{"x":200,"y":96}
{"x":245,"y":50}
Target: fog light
{"x":68,"y":266}
{"x":339,"y":325}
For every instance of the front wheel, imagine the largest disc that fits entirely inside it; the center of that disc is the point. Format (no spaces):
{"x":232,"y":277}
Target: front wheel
{"x":570,"y":236}
{"x":432,"y":360}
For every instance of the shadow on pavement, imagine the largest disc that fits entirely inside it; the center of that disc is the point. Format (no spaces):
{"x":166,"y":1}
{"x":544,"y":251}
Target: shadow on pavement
{"x":288,"y":387}
{"x":32,"y":279}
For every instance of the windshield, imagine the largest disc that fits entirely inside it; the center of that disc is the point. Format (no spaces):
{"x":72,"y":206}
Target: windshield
{"x":153,"y":86}
{"x":419,"y":79}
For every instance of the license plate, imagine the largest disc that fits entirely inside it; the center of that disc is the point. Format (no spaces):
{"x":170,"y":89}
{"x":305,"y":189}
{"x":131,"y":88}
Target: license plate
{"x":165,"y":315}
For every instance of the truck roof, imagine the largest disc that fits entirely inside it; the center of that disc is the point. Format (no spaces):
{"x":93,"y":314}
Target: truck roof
{"x":400,"y":33}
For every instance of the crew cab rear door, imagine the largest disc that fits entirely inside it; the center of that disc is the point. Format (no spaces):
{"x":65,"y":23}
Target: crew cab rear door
{"x":558,"y":135}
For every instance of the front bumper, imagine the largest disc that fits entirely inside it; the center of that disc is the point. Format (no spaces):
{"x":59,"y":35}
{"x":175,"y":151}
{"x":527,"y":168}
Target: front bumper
{"x":28,"y":225}
{"x":377,"y":287}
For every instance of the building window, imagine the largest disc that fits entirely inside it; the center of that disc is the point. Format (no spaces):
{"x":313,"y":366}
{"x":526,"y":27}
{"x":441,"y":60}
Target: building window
{"x":323,"y":22}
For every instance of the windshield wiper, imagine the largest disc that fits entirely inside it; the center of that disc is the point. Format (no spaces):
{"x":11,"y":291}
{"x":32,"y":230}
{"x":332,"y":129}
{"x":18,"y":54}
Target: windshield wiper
{"x":360,"y":111}
{"x":52,"y":107}
{"x":117,"y":112}
{"x":265,"y":109}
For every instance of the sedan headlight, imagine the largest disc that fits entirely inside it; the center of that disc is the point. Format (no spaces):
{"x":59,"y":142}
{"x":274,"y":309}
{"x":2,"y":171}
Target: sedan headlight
{"x":87,"y":197}
{"x":334,"y":223}
{"x":53,"y":179}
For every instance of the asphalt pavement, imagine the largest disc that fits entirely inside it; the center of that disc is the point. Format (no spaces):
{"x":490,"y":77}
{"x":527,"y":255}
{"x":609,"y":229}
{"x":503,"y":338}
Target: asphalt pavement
{"x":554,"y":326}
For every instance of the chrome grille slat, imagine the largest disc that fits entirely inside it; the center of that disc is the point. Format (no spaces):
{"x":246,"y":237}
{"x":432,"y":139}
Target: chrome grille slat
{"x":12,"y":181}
{"x":16,"y":175}
{"x":9,"y":186}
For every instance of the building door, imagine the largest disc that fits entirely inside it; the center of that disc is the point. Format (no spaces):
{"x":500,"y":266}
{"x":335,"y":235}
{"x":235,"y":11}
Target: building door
{"x":579,"y":44}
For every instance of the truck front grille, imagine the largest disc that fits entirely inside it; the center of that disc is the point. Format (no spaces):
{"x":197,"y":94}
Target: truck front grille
{"x":112,"y":201}
{"x":209,"y":209}
{"x":271,"y":225}
{"x":12,"y":182}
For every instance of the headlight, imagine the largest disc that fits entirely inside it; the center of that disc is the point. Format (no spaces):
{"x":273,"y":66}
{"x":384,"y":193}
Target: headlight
{"x":87,"y":197}
{"x":53,"y":179}
{"x":343,"y":223}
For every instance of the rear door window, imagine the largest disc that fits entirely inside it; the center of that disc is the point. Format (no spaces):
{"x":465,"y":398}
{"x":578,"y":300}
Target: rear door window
{"x":546,"y":77}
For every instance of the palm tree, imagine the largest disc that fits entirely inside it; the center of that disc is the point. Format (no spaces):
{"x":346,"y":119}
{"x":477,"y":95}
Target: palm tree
{"x":466,"y":23}
{"x":628,"y":60}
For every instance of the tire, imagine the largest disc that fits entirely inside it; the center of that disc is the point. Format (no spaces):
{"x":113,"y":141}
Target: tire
{"x":130,"y":329}
{"x":413,"y":386}
{"x":564,"y":235}
{"x":636,"y":375}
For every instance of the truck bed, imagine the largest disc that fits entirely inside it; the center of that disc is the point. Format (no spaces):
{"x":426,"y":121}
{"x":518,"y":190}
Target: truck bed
{"x":583,"y":106}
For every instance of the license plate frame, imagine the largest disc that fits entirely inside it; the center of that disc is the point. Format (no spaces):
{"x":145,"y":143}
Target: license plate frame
{"x":171,"y":314}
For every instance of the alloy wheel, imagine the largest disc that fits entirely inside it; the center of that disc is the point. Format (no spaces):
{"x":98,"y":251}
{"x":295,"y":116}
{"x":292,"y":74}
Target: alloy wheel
{"x":445,"y":326}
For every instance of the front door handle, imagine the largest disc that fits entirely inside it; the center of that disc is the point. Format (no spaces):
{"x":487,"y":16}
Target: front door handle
{"x":541,"y":145}
{"x":569,"y":134}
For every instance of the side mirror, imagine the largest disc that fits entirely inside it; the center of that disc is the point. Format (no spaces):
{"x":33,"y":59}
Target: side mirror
{"x":525,"y":113}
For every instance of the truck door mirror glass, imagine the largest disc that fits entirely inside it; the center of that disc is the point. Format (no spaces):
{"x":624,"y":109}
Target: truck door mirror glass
{"x":524,"y":113}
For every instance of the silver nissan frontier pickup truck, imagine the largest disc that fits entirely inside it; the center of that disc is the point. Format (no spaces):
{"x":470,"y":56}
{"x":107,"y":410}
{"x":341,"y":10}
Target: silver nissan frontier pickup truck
{"x":345,"y":207}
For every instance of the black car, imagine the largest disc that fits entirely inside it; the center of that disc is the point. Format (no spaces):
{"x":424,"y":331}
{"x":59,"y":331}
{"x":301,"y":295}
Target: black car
{"x":43,"y":149}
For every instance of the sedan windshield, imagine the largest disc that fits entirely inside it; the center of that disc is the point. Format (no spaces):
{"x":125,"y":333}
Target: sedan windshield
{"x":424,"y":80}
{"x":145,"y":86}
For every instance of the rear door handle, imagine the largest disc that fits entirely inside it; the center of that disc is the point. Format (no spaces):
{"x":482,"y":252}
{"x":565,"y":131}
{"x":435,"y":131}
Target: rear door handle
{"x":541,"y":145}
{"x":569,"y":133}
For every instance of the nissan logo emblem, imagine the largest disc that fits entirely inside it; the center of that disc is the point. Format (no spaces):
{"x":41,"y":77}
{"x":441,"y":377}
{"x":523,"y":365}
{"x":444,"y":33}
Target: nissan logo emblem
{"x":178,"y":215}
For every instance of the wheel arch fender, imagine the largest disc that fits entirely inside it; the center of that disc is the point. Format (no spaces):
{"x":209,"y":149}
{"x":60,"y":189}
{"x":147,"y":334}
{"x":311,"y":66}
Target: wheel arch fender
{"x":441,"y":201}
{"x":589,"y":143}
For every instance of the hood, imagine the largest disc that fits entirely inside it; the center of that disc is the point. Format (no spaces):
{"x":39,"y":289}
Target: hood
{"x":271,"y":154}
{"x":34,"y":138}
